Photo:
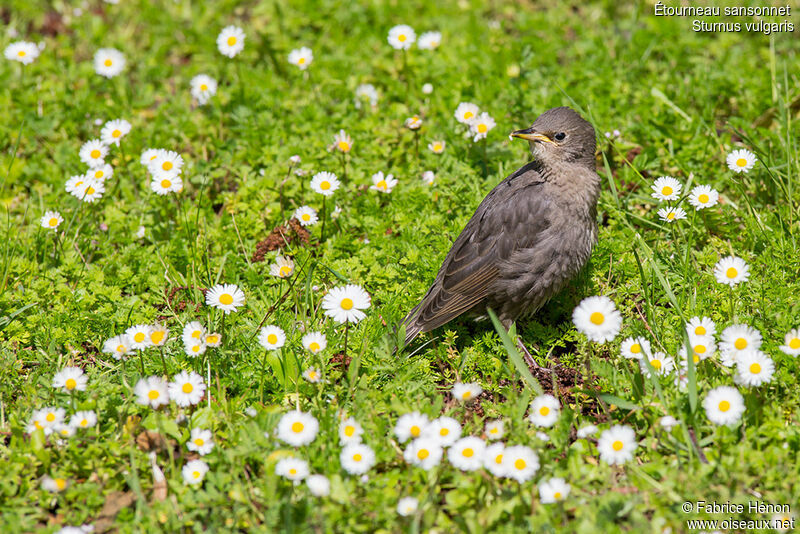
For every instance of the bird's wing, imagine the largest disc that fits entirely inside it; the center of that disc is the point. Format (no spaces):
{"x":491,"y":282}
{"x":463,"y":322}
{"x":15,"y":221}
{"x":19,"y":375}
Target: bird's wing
{"x":512,"y":216}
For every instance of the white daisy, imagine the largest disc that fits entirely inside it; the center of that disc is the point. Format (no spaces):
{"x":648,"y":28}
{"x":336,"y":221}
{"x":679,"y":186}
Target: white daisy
{"x":493,"y":459}
{"x":437,"y":147}
{"x":671,"y":214}
{"x":167,"y":164}
{"x":668,"y":422}
{"x":203,"y":88}
{"x":741,"y":160}
{"x":413,"y":123}
{"x":466,"y":392}
{"x":100,"y":173}
{"x":553,"y":490}
{"x":429,"y":41}
{"x":151,"y":391}
{"x":293,"y":469}
{"x":662,"y":364}
{"x":159,"y":334}
{"x":480,"y":126}
{"x":148,"y":156}
{"x":634,"y":348}
{"x":586,"y":431}
{"x":193,"y":331}
{"x":282,"y":268}
{"x":731,"y":270}
{"x":428,"y":177}
{"x":350,"y":431}
{"x":545,"y":410}
{"x":318,"y":485}
{"x":366,"y":92}
{"x":214,"y":339}
{"x":701,"y":326}
{"x":22,"y":51}
{"x":187,"y":388}
{"x":302,"y":57}
{"x":324,"y":183}
{"x":114,"y":131}
{"x":754,"y":368}
{"x":724,"y":405}
{"x":427,"y":88}
{"x":194,"y":472}
{"x":139,"y":335}
{"x":226,"y":297}
{"x":597,"y":318}
{"x":702,"y":348}
{"x":345,"y":304}
{"x":90,"y":190}
{"x":616,"y":445}
{"x":306,"y":216}
{"x":166,"y":185}
{"x":401,"y":37}
{"x":738,"y":339}
{"x":314,"y":342}
{"x":200,"y":441}
{"x":466,"y":454}
{"x":520,"y":463}
{"x":410,"y":425}
{"x":357,"y":458}
{"x":230,"y":41}
{"x":466,"y":112}
{"x":71,"y":379}
{"x":407,"y":506}
{"x":54,"y":485}
{"x":108,"y":62}
{"x":494,"y":429}
{"x":118,"y":346}
{"x":51,"y":220}
{"x":666,"y":188}
{"x":791,"y":343}
{"x":445,"y":430}
{"x":383,"y":184}
{"x":297,"y":428}
{"x":342,"y":142}
{"x":702,"y":197}
{"x":83,"y":419}
{"x":74,"y":184}
{"x":46,"y":419}
{"x":271,"y":337}
{"x":424,"y":452}
{"x":312,"y":374}
{"x":93,"y":152}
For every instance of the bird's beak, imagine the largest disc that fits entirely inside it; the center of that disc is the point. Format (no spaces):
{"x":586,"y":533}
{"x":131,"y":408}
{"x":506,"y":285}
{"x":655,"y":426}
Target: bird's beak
{"x":530,"y":135}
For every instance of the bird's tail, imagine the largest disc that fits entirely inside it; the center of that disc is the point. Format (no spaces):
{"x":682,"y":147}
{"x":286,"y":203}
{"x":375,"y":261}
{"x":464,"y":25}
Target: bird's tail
{"x":412,"y":327}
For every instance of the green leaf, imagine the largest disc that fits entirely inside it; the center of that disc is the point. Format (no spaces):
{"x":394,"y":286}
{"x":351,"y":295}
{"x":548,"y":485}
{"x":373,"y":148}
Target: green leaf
{"x":513,"y":355}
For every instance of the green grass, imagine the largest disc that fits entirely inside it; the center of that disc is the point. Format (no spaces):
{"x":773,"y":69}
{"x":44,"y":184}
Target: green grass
{"x":681,"y":100}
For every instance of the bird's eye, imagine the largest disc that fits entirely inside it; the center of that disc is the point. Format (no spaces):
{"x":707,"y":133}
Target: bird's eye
{"x":560,"y":136}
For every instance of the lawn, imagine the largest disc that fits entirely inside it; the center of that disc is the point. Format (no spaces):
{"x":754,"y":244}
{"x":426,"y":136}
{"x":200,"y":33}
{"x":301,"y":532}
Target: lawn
{"x":204,"y":336}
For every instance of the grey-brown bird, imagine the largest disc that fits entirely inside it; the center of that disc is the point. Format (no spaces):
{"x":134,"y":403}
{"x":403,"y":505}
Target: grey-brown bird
{"x":531,"y":234}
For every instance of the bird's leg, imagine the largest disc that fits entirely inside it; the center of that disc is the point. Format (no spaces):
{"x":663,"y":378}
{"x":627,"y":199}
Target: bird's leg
{"x":526,"y":355}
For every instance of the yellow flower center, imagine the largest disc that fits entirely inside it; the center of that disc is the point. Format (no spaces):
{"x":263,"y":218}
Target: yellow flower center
{"x":153,"y":394}
{"x":325,"y":185}
{"x":21,"y":53}
{"x":84,"y":422}
{"x":670,"y":215}
{"x":301,"y":61}
{"x":60,"y":483}
{"x":382,"y":184}
{"x":401,"y":38}
{"x":195,"y":474}
{"x":116,"y":133}
{"x":700,"y":349}
{"x":617,"y":445}
{"x":468,"y":115}
{"x":700,"y":330}
{"x":415,"y":430}
{"x":90,"y":190}
{"x":636,"y":348}
{"x":437,"y":147}
{"x":357,"y":457}
{"x":53,"y":222}
{"x":520,"y":464}
{"x":70,"y":383}
{"x":557,"y":495}
{"x":755,"y":368}
{"x":196,"y":348}
{"x":95,"y":154}
{"x":196,"y":334}
{"x":794,"y":343}
{"x":297,"y":427}
{"x":78,"y":184}
{"x":312,"y":375}
{"x":157,"y":336}
{"x":292,"y":471}
{"x":544,"y":410}
{"x":493,"y":431}
{"x":444,"y":432}
{"x":349,"y":430}
{"x":138,"y":337}
{"x":597,"y":318}
{"x":98,"y":174}
{"x":741,"y":162}
{"x":346,"y":304}
{"x":482,"y":128}
{"x":666,"y":190}
{"x":466,"y":395}
{"x":498,"y":459}
{"x":167,"y":165}
{"x":121,"y":348}
{"x":231,"y":40}
{"x":306,"y":217}
{"x":656,"y":363}
{"x":50,"y":417}
{"x":107,"y":62}
{"x":740,"y":343}
{"x":187,"y":387}
{"x":199,"y":442}
{"x":203,"y":87}
{"x":703,"y":198}
{"x":344,"y":146}
{"x":226,"y":299}
{"x":166,"y":184}
{"x":313,"y":346}
{"x":696,"y":358}
{"x":272,"y":339}
{"x":468,"y":453}
{"x":731,"y":272}
{"x":38,"y":425}
{"x":724,"y":406}
{"x":284,"y":271}
{"x":422,"y":454}
{"x":212,"y":339}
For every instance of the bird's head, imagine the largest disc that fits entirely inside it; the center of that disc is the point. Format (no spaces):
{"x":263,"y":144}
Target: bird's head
{"x":560,"y":135}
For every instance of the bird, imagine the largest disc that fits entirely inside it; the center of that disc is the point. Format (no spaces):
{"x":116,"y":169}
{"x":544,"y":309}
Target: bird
{"x":528,"y":237}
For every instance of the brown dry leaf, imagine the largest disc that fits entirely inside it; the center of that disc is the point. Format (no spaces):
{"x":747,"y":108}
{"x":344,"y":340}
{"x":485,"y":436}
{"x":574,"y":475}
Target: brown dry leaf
{"x":159,"y":481}
{"x":150,"y":440}
{"x":115,"y":501}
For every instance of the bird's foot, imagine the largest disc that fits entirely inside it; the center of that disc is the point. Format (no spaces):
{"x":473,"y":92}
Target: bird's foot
{"x":529,"y":359}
